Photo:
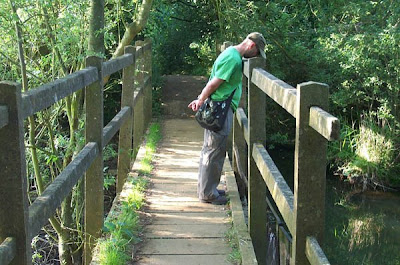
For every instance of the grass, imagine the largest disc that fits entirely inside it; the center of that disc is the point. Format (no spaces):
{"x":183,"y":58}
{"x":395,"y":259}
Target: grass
{"x":124,"y":229}
{"x":231,"y":236}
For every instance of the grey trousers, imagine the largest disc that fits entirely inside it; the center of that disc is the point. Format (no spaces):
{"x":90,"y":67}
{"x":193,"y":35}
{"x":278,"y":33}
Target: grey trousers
{"x":212,"y":160}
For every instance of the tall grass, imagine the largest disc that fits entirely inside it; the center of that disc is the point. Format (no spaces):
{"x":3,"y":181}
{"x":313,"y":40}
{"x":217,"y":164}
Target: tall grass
{"x":369,"y":151}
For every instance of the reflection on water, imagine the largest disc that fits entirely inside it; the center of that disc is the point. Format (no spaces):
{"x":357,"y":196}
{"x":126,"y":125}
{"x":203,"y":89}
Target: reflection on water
{"x":360,"y":228}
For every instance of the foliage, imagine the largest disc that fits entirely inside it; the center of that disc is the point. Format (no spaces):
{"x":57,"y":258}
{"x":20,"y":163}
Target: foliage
{"x":124,"y":228}
{"x":369,"y":151}
{"x":54,"y":43}
{"x":151,"y":146}
{"x":350,"y":45}
{"x":231,"y":236}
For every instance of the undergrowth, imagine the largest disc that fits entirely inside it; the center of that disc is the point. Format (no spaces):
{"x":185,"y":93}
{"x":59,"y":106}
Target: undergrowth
{"x":124,"y":230}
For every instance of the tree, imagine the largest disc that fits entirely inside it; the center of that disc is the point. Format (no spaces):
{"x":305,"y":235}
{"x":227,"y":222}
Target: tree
{"x":51,"y":37}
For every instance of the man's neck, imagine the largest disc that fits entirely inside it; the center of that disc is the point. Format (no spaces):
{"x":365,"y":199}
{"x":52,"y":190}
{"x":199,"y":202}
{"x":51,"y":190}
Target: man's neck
{"x":240,"y":48}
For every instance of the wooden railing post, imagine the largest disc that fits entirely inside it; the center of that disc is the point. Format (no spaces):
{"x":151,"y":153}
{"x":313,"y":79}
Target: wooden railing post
{"x":13,"y":197}
{"x":148,"y":88}
{"x":125,"y":133}
{"x":138,"y":124}
{"x":94,"y":202}
{"x":257,"y":188}
{"x":309,"y":171}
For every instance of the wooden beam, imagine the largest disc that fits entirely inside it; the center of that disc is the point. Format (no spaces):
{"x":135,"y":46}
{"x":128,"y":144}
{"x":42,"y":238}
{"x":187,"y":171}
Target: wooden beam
{"x":314,"y":252}
{"x":117,"y":64}
{"x":279,"y":189}
{"x":243,"y":123}
{"x":324,"y":123}
{"x":8,"y":250}
{"x":115,"y":124}
{"x":46,"y":95}
{"x":281,"y":92}
{"x":13,"y":195}
{"x":257,"y":190}
{"x":309,"y":171}
{"x":46,"y":204}
{"x":94,"y":179}
{"x":125,"y":133}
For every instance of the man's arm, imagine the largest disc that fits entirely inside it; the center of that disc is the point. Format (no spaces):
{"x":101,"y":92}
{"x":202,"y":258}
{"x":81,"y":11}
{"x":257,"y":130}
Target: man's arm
{"x":211,"y":86}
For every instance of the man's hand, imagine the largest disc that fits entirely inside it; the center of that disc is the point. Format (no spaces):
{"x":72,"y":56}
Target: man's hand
{"x":195,"y":104}
{"x":211,"y":86}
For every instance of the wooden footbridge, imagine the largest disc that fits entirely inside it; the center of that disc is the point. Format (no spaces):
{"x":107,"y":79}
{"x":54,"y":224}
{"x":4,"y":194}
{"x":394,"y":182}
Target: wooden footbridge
{"x":183,"y":230}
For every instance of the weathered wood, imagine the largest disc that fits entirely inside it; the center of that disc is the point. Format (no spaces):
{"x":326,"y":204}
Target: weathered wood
{"x":246,"y":70}
{"x":148,"y":82}
{"x":257,"y":189}
{"x":239,"y":147}
{"x":138,"y":123}
{"x":8,"y":250}
{"x":243,"y":123}
{"x":239,"y":223}
{"x":117,"y":64}
{"x":46,"y":95}
{"x":285,"y":95}
{"x":276,"y":184}
{"x":13,"y":197}
{"x":140,"y":78}
{"x":324,"y":123}
{"x":125,"y":134}
{"x":115,"y":124}
{"x":3,"y":116}
{"x":281,"y":92}
{"x":94,"y":201}
{"x":309,"y":171}
{"x":46,"y":204}
{"x":314,"y":253}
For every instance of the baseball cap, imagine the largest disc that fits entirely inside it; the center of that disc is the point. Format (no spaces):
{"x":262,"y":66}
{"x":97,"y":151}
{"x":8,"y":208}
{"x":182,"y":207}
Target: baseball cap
{"x":259,"y":40}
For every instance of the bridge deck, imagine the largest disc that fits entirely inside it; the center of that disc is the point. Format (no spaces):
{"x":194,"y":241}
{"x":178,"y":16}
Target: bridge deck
{"x":183,"y":230}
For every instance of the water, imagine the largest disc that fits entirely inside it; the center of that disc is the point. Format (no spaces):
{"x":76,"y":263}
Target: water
{"x":360,"y":227}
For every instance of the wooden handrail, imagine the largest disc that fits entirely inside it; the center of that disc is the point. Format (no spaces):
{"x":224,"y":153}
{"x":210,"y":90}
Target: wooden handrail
{"x":314,"y":252}
{"x":23,"y":105}
{"x":282,"y":93}
{"x":45,"y":205}
{"x":280,"y":191}
{"x":8,"y":250}
{"x":307,"y":103}
{"x":117,"y":64}
{"x":46,"y":95}
{"x":115,"y":124}
{"x":324,"y":123}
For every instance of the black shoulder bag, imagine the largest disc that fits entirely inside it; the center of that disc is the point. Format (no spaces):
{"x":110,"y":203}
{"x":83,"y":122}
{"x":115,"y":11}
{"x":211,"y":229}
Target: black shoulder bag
{"x":212,"y":114}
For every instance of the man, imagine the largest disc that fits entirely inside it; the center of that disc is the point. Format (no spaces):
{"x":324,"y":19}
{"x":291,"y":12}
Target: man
{"x":226,"y":77}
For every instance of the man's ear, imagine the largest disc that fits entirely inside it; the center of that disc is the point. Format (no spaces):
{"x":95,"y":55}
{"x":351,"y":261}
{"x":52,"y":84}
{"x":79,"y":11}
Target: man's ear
{"x":251,"y":44}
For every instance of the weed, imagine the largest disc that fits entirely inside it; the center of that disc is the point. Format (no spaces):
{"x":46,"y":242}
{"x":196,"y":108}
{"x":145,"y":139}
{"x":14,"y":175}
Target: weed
{"x":125,"y":228}
{"x":231,"y":236}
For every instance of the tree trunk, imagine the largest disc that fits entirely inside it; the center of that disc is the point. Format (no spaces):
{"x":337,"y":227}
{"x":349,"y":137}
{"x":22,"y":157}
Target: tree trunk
{"x":96,"y":27}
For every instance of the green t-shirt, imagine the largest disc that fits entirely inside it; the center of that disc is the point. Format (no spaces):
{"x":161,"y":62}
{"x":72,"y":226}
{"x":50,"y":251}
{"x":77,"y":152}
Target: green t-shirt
{"x":228,"y":67}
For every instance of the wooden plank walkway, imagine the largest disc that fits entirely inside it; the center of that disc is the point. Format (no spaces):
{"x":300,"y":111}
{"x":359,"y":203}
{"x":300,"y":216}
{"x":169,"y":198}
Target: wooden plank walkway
{"x":183,"y":230}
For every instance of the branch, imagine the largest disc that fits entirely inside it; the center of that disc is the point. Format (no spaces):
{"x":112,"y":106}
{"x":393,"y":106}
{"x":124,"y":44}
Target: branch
{"x":134,"y":28}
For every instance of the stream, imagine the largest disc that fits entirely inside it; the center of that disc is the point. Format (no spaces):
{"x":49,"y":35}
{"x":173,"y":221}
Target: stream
{"x":361,"y":228}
